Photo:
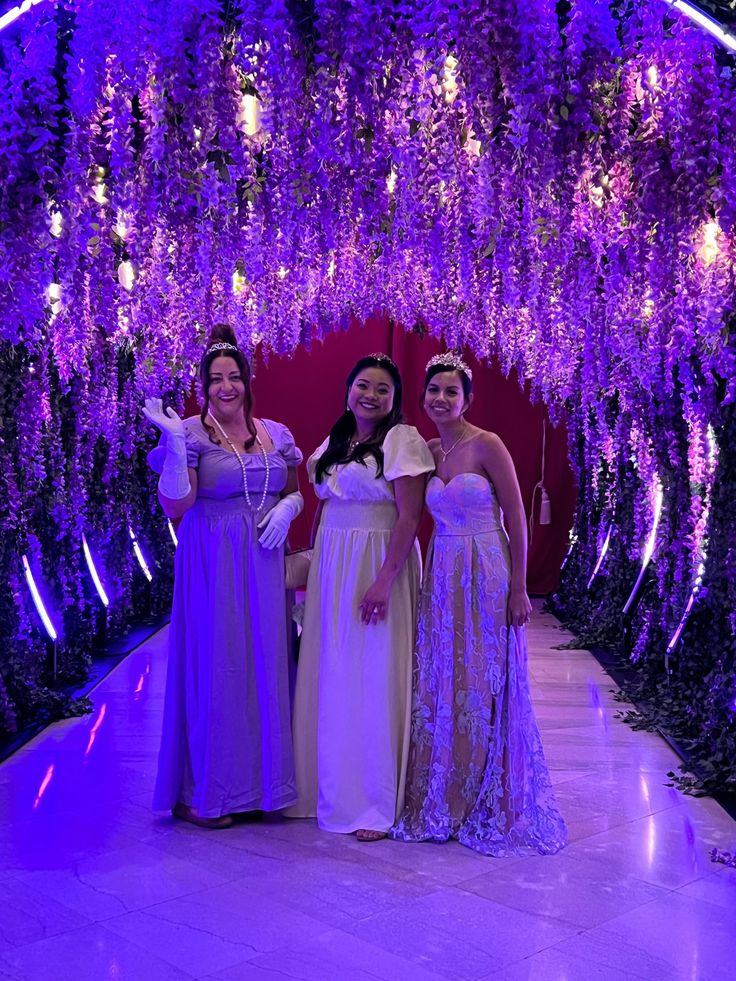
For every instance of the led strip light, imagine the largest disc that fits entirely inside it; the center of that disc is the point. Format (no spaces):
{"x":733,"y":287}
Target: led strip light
{"x":15,"y":12}
{"x":38,"y":602}
{"x":601,"y":556}
{"x":93,"y":572}
{"x":649,"y":548}
{"x":139,"y":555}
{"x":719,"y":32}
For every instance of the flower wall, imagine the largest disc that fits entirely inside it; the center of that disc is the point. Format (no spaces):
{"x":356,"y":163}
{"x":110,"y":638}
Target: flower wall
{"x":556,"y":192}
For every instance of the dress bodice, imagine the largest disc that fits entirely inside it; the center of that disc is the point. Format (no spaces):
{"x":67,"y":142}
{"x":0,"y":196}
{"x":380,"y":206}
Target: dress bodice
{"x":405,"y":454}
{"x":465,"y":505}
{"x":219,"y":473}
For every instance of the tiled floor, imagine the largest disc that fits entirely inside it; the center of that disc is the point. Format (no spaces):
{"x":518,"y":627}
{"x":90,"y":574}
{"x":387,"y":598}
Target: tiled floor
{"x":93,"y":886}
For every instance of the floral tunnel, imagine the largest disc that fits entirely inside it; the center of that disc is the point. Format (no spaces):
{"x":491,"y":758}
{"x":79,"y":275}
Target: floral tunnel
{"x":554,"y":193}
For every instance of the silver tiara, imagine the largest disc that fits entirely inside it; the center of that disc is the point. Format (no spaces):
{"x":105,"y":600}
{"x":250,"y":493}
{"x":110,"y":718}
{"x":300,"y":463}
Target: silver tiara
{"x":450,"y":360}
{"x":221,"y":346}
{"x":380,"y":356}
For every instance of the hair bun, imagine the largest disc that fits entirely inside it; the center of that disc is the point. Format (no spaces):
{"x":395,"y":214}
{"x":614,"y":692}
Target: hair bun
{"x":222,"y":333}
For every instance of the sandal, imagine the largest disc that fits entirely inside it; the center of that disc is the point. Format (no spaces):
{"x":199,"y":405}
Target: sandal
{"x":366,"y":834}
{"x":185,"y":813}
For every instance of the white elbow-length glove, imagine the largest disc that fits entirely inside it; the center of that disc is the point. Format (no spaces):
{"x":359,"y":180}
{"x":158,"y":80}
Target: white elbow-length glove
{"x":174,"y":480}
{"x":275,"y":526}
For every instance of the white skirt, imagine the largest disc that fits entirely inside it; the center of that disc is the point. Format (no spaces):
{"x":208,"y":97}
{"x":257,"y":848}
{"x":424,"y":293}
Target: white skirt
{"x":352,"y":709}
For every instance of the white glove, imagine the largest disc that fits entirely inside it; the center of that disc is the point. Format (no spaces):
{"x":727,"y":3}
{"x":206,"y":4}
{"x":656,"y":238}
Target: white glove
{"x":276,"y":523}
{"x":166,"y":419}
{"x":174,"y":480}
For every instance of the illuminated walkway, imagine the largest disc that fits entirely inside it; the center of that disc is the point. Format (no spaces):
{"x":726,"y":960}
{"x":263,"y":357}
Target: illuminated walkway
{"x":92,"y":886}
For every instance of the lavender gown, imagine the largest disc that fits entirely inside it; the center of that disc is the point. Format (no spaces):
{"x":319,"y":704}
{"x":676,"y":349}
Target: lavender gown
{"x":477,"y":771}
{"x":226,"y":742}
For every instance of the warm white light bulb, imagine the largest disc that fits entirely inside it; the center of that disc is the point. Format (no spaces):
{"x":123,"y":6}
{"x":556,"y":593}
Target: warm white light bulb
{"x":126,"y":275}
{"x":709,"y":248}
{"x":249,"y":116}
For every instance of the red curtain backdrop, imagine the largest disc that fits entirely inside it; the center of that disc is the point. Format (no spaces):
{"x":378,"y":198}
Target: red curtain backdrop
{"x":306,"y":392}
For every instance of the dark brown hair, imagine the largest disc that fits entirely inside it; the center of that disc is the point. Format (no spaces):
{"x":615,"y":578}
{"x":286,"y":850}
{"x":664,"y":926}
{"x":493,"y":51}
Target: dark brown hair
{"x":224,"y":334}
{"x":338,"y":448}
{"x":438,"y":369}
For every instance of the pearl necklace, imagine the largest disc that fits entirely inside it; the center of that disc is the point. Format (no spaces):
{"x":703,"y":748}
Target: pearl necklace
{"x":243,"y":467}
{"x":446,"y":453}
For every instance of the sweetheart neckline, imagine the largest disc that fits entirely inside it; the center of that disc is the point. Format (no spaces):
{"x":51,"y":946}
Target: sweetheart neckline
{"x":467,"y":473}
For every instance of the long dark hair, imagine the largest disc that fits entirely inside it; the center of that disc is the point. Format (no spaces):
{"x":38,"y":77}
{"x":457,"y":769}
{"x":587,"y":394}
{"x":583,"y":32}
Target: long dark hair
{"x":338,"y":448}
{"x":223,"y":334}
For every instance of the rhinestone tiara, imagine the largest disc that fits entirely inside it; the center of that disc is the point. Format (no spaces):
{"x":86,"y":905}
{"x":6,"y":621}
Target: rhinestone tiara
{"x":380,"y":356}
{"x":221,"y":346}
{"x":450,"y":360}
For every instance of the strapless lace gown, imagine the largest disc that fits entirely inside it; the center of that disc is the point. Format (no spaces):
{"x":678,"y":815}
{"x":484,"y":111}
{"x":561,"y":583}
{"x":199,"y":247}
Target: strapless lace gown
{"x":477,"y":771}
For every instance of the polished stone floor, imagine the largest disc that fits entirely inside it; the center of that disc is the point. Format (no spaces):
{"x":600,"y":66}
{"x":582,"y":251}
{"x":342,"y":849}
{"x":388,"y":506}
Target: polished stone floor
{"x":93,"y":886}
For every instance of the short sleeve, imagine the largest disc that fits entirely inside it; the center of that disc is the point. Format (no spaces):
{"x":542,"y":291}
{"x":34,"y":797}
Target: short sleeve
{"x":287,"y":447}
{"x":158,"y":453}
{"x":405,"y":454}
{"x":314,"y":459}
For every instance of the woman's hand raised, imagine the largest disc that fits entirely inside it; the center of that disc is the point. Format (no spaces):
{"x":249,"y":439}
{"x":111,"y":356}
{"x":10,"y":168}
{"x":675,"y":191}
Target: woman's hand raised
{"x":165,"y":419}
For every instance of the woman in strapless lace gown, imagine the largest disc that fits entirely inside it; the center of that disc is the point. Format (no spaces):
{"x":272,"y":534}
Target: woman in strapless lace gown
{"x":477,"y":771}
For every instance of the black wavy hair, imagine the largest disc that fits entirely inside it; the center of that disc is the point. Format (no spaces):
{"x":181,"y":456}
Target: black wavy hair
{"x":438,"y":369}
{"x":223,"y":333}
{"x":338,"y":447}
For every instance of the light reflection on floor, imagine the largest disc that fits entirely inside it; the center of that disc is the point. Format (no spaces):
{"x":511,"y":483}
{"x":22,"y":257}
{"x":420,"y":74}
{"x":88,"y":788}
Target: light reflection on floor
{"x":93,"y":886}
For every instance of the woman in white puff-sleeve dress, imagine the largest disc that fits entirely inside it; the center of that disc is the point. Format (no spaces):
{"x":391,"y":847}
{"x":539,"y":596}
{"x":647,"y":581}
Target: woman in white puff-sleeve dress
{"x":352,"y":709}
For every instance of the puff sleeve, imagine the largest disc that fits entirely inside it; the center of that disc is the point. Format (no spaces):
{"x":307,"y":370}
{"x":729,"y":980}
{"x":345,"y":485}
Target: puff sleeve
{"x":405,"y":454}
{"x":314,"y":459}
{"x":288,"y":449}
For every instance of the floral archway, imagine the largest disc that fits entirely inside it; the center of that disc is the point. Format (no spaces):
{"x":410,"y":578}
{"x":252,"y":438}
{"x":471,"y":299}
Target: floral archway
{"x":556,"y":192}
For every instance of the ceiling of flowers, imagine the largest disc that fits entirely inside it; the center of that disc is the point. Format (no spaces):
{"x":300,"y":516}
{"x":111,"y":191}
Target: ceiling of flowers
{"x":556,"y":190}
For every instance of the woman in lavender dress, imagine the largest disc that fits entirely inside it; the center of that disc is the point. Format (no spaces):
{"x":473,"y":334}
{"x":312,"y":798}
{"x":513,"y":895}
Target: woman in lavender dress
{"x":477,"y":771}
{"x":226,"y":744}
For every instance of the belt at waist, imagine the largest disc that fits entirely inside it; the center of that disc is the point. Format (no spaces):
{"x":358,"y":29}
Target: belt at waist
{"x":361,"y":515}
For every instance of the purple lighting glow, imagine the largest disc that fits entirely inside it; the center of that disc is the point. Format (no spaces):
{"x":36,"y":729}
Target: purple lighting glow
{"x":38,"y":602}
{"x":44,"y":785}
{"x":95,"y":728}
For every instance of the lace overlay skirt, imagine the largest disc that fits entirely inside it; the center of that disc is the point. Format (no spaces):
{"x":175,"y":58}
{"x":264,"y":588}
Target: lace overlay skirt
{"x":477,"y":770}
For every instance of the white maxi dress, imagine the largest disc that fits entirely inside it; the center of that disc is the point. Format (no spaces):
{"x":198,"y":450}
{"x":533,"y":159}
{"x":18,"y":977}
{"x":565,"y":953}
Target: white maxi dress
{"x":352,"y":708}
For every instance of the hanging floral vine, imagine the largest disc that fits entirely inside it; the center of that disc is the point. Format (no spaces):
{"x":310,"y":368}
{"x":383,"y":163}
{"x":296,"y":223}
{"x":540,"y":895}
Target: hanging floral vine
{"x":556,"y":191}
